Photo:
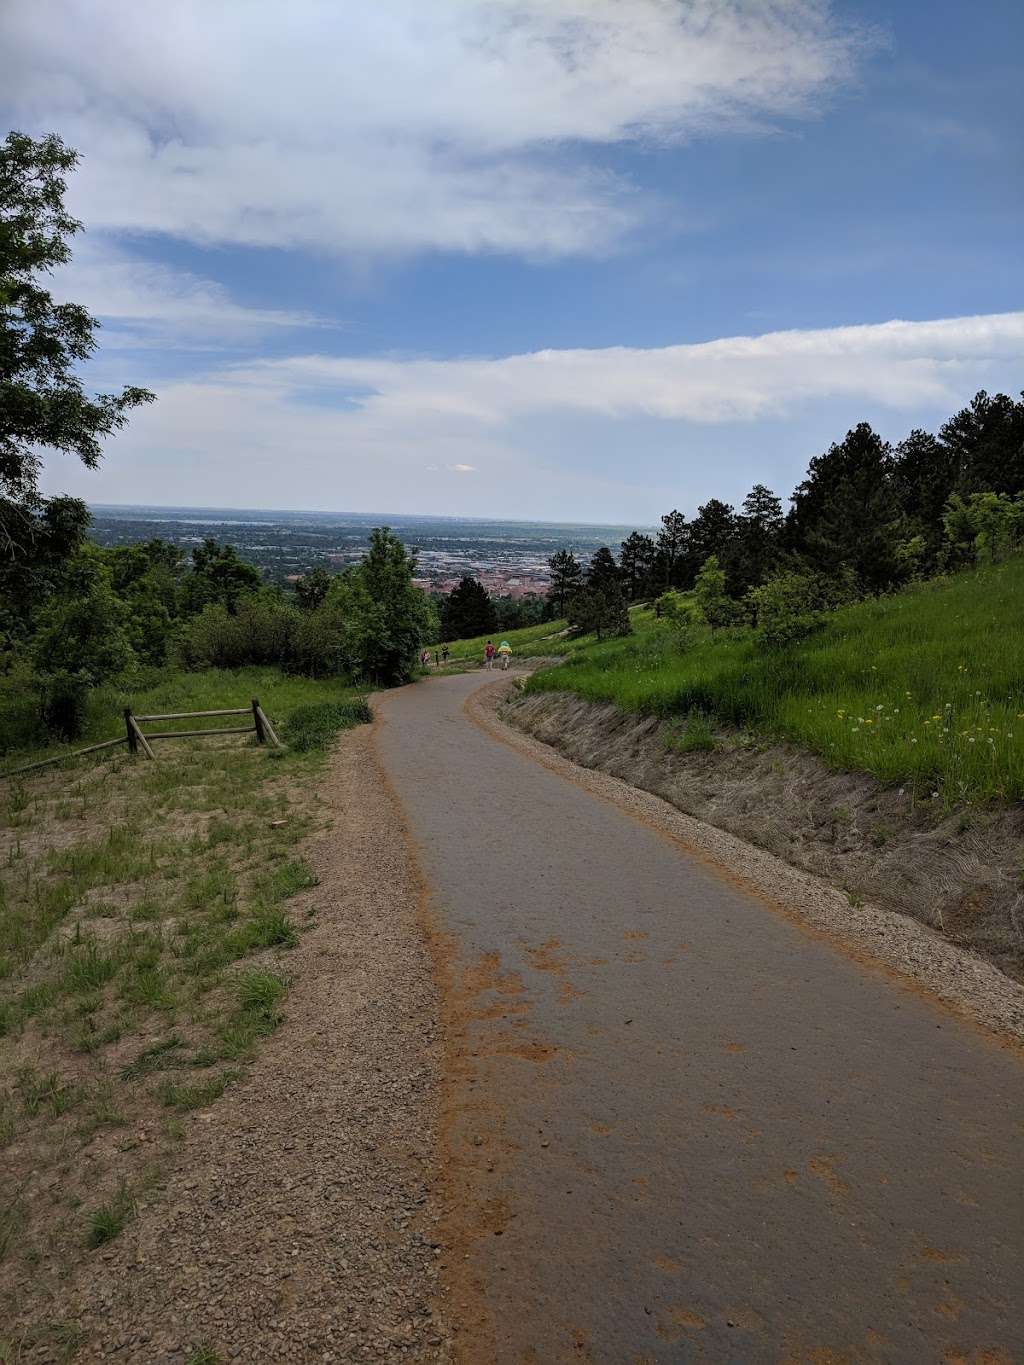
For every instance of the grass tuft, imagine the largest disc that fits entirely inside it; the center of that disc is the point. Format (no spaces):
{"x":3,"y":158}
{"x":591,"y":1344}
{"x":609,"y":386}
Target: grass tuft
{"x":108,"y":1221}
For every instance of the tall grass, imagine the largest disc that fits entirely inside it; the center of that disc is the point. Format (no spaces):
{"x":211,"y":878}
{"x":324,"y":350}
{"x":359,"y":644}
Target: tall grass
{"x":925,"y":687}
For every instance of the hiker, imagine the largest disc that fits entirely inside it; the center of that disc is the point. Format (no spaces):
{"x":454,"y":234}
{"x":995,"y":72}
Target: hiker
{"x":425,"y":658}
{"x":444,"y":654}
{"x":489,"y":654}
{"x":505,"y":650}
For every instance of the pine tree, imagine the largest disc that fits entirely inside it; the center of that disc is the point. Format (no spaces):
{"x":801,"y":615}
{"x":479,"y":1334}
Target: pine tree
{"x":757,"y":540}
{"x":566,"y":578}
{"x":602,"y":571}
{"x":672,"y":543}
{"x":467,"y":611}
{"x":636,"y":564}
{"x":846,"y":514}
{"x":986,"y":444}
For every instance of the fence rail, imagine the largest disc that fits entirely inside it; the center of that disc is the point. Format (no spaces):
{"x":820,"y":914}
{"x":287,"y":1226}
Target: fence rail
{"x":139,"y":742}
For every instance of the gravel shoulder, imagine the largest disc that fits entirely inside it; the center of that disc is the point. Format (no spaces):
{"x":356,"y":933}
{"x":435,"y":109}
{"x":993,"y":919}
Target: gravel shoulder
{"x":298,"y":1222}
{"x":881,"y":937}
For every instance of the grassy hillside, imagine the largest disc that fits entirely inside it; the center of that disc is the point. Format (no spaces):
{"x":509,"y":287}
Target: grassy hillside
{"x":532,"y":641}
{"x":926,"y":686}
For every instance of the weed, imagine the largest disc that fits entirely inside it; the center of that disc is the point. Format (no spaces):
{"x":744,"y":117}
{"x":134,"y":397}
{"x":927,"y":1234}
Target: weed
{"x":313,"y":727}
{"x":268,"y":927}
{"x":204,"y":1355}
{"x":696,"y":737}
{"x":159,"y":1057}
{"x":86,"y":968}
{"x":183,"y":1098}
{"x":108,"y":1221}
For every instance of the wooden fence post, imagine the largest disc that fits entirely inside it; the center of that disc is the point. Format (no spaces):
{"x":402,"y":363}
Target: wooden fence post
{"x":133,"y":743}
{"x":257,"y":720}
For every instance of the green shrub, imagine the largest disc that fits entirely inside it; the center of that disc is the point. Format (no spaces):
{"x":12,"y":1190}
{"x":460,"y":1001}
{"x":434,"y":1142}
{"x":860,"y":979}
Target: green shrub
{"x":787,"y":608}
{"x":314,"y":726}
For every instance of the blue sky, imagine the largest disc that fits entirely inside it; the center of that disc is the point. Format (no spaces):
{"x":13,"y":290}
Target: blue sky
{"x":549,"y":258}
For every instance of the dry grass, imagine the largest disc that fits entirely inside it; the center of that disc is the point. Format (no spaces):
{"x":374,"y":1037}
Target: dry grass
{"x":146,"y":918}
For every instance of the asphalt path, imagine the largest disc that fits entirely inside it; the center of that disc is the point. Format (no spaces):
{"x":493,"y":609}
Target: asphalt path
{"x":685,"y":1128}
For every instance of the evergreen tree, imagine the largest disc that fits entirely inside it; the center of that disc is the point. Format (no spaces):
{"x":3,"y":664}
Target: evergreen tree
{"x":566,"y":578}
{"x":846,"y":514}
{"x":602,"y":571}
{"x":986,"y":443}
{"x":467,"y":611}
{"x":712,"y":532}
{"x":671,"y":549}
{"x":925,"y":474}
{"x":601,"y":610}
{"x":636,"y":564}
{"x":757,"y":540}
{"x":712,"y":596}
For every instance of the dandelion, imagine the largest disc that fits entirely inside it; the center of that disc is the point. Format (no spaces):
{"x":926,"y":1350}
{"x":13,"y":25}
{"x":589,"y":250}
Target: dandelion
{"x":879,"y":708}
{"x":913,"y":740}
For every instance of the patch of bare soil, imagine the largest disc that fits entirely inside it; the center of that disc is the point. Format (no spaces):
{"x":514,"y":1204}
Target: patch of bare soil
{"x":794,"y":832}
{"x":297,"y":1220}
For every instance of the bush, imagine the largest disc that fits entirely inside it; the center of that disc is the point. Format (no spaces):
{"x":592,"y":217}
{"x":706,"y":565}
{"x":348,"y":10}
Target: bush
{"x":680,"y":615}
{"x":320,"y":642}
{"x":601,"y":611}
{"x":716,"y":606}
{"x":261,"y":631}
{"x":787,"y":608}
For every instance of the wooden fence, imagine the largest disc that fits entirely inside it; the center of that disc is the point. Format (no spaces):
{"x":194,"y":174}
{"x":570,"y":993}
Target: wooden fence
{"x":137,"y":741}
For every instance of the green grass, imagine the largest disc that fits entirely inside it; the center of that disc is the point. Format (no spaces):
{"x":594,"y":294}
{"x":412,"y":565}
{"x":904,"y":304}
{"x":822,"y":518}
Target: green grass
{"x":159,"y":691}
{"x":315,"y":725}
{"x":925,"y":687}
{"x":108,"y":1220}
{"x":531,"y":642}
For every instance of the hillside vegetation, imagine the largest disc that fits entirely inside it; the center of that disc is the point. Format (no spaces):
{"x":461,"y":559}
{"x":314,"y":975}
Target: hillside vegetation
{"x":925,"y":686}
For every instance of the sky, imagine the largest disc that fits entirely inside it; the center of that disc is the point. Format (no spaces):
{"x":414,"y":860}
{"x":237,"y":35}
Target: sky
{"x":556,"y":259}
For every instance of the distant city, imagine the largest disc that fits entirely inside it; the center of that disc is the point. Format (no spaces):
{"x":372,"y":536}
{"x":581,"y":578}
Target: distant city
{"x":508,"y":557}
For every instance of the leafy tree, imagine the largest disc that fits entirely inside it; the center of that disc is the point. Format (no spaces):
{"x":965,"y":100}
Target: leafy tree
{"x":56,"y":531}
{"x":81,"y":641}
{"x":713,"y":601}
{"x":846,"y":511}
{"x":636,"y":564}
{"x":566,"y":578}
{"x":312,"y":588}
{"x":387,"y":617}
{"x":467,"y":611}
{"x":671,"y":549}
{"x":984,"y":527}
{"x":218,"y":575}
{"x":602,"y":571}
{"x":43,"y":403}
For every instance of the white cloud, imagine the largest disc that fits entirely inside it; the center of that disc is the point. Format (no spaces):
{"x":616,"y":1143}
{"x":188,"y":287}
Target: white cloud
{"x":142,"y":303}
{"x":467,"y":125}
{"x":569,"y":433}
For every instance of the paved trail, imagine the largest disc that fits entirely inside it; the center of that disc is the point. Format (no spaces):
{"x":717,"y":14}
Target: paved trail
{"x":688,"y":1129}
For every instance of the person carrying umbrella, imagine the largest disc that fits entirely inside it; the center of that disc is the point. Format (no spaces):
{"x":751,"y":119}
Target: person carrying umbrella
{"x":505,"y":653}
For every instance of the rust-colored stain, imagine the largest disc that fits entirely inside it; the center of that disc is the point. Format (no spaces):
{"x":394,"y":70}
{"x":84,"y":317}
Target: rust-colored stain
{"x":935,"y":1254}
{"x":635,"y":934}
{"x":722,"y":1110}
{"x":601,"y":1129}
{"x":529,"y":1052}
{"x":824,"y":1168}
{"x":819,"y":1355}
{"x":677,"y":1322}
{"x":544,"y":959}
{"x":581,"y":1345}
{"x":599,"y":962}
{"x":668,"y":1265}
{"x":735,"y":1047}
{"x":568,"y":993}
{"x":993,"y":1356}
{"x":633,"y":957}
{"x":950,"y":1307}
{"x":790,"y":1177}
